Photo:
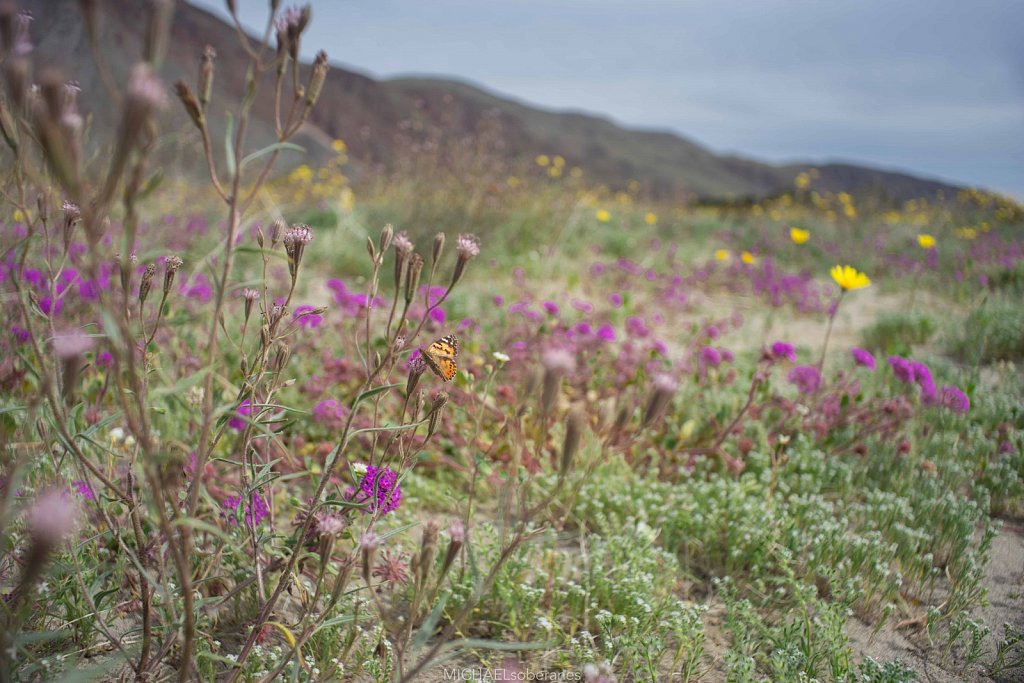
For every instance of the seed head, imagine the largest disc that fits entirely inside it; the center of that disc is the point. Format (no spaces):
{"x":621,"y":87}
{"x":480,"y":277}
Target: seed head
{"x":468,"y":248}
{"x":295,"y":240}
{"x":71,"y":344}
{"x":52,"y":518}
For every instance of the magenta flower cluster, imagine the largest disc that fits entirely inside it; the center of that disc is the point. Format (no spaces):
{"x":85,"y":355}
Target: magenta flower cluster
{"x":917,"y":373}
{"x":379,"y":489}
{"x":255,"y":512}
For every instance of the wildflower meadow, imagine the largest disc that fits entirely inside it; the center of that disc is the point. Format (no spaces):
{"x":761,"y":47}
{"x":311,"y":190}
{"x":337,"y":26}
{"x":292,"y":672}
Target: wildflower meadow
{"x":474,"y":419}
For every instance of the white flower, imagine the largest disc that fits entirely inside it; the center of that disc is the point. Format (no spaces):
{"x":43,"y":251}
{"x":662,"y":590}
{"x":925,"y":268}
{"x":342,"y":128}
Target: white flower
{"x":117,"y":435}
{"x":359,"y":467}
{"x":501,"y":357}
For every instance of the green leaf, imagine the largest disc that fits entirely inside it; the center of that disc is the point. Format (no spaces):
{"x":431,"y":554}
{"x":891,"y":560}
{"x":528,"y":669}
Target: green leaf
{"x":111,"y":329}
{"x":370,"y":393}
{"x":336,"y":621}
{"x":151,"y":185}
{"x":268,"y":149}
{"x":182,"y":385}
{"x":200,"y":525}
{"x":387,"y":428}
{"x":229,"y":146}
{"x":429,"y":624}
{"x":478,"y":643}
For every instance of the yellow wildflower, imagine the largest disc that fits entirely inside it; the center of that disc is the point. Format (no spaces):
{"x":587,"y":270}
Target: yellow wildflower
{"x":543,"y":160}
{"x":603,"y":215}
{"x":651,"y":219}
{"x":722,"y":255}
{"x":849,"y":278}
{"x":926,"y":241}
{"x":748,"y":258}
{"x":798,"y":235}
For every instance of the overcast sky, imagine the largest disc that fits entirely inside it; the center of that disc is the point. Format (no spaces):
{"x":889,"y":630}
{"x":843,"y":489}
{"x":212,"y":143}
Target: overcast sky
{"x":935,"y":87}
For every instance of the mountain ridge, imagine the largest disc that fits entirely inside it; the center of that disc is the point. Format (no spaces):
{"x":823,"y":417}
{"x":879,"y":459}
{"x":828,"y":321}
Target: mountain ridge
{"x":374,"y":116}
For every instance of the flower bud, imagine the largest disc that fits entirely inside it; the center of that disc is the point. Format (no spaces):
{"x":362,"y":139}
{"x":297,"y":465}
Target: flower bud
{"x":317,"y":76}
{"x":386,"y":235}
{"x":457,"y":534}
{"x":435,"y":412}
{"x":189,"y":101}
{"x":428,"y":551}
{"x":368,"y":544}
{"x":437,"y":252}
{"x":574,"y":426}
{"x":147,"y":283}
{"x":277,"y":229}
{"x":249,"y":296}
{"x":281,"y":357}
{"x":412,"y":277}
{"x":206,"y":76}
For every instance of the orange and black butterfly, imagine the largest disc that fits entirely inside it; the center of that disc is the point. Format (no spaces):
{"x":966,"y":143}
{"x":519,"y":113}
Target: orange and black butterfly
{"x":441,"y":355}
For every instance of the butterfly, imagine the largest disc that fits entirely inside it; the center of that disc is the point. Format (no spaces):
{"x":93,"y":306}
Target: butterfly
{"x":440,"y":356}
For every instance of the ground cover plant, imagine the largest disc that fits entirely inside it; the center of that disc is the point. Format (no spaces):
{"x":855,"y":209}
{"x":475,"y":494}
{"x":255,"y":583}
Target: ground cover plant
{"x":473,"y":418}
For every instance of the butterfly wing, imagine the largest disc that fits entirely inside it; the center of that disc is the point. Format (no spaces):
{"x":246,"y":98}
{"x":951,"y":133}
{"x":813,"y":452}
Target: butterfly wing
{"x":440,"y":356}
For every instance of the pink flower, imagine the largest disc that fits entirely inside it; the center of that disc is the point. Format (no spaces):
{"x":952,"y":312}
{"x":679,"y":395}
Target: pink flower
{"x":783,"y":350}
{"x":863,"y":358}
{"x":306,"y":317}
{"x":238,"y":421}
{"x":806,"y":378}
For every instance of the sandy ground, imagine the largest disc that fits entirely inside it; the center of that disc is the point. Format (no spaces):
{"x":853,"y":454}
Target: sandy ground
{"x":1004,"y":580}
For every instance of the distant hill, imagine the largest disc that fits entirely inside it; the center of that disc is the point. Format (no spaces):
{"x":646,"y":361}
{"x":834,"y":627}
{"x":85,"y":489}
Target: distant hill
{"x":374,"y":117}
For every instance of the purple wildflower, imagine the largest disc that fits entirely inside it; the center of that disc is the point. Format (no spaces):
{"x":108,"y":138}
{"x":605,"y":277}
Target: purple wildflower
{"x":782,"y":350}
{"x":254,"y":513}
{"x":237,"y":422}
{"x":615,"y":299}
{"x":863,"y":358}
{"x":806,"y":378}
{"x":636,"y":327}
{"x":306,"y":317}
{"x":199,"y":288}
{"x":923,"y":378}
{"x":710,"y":357}
{"x":951,"y":397}
{"x":380,"y":489}
{"x":551,"y":308}
{"x":606,"y":333}
{"x":902,"y":368}
{"x":329,"y":412}
{"x":83,"y":489}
